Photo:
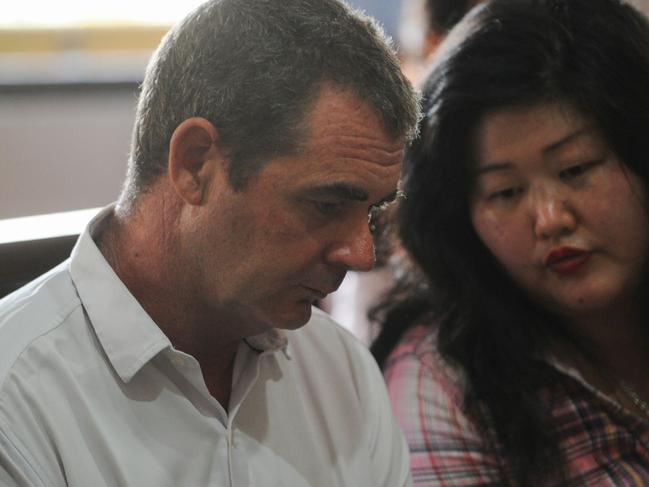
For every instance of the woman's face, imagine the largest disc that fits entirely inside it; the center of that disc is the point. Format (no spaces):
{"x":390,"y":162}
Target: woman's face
{"x":558,"y":210}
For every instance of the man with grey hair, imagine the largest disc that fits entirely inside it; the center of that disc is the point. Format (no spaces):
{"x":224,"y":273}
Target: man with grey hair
{"x":178,"y":345}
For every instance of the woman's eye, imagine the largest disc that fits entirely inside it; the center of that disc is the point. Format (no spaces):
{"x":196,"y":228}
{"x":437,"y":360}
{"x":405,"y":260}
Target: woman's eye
{"x":577,"y":170}
{"x":505,"y":194}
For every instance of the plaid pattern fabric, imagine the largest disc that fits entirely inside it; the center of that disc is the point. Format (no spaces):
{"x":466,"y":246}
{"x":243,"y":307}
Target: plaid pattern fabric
{"x":603,"y":444}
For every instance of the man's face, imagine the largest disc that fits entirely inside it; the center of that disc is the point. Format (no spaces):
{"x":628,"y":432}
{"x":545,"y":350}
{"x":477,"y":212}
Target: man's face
{"x":267,"y":253}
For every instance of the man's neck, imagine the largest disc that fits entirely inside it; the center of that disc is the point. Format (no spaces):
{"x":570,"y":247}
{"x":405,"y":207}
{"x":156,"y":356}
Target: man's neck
{"x":143,"y":254}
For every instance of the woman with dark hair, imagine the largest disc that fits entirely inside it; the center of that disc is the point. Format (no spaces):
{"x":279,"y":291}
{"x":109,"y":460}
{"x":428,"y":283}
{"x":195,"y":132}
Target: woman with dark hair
{"x":522,"y":358}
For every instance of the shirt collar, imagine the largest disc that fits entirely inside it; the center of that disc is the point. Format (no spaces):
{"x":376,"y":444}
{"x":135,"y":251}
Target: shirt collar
{"x":125,"y":331}
{"x":271,"y":341}
{"x":128,"y":335}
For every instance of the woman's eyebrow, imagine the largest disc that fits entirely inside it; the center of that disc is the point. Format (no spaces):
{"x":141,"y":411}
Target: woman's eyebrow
{"x":494,"y":166}
{"x":552,"y":147}
{"x":571,"y":137}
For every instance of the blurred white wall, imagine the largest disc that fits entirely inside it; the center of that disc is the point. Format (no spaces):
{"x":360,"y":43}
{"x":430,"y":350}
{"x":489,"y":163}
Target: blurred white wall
{"x":63,"y":147}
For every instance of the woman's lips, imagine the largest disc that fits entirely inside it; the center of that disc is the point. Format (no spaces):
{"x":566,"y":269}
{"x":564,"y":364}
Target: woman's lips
{"x":566,"y":260}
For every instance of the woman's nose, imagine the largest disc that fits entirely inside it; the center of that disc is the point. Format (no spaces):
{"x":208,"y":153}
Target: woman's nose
{"x":552,"y":214}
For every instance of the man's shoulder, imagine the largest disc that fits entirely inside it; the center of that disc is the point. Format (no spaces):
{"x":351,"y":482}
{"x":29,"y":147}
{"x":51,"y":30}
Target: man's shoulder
{"x":33,"y":311}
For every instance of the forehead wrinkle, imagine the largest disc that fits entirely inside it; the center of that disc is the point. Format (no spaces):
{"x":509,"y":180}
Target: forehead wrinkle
{"x":377,"y":158}
{"x":366,"y":149}
{"x":352,"y":135}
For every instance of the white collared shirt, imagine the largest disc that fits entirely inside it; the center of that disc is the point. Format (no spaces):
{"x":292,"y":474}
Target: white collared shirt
{"x":92,"y":394}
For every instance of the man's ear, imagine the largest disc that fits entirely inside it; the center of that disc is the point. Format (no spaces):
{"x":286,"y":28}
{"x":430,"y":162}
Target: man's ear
{"x":194,"y":156}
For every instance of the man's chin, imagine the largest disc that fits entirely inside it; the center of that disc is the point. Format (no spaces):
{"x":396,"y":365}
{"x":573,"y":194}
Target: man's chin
{"x":294,"y":317}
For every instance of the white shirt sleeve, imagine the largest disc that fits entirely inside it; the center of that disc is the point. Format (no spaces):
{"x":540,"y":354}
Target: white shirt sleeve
{"x":15,"y":470}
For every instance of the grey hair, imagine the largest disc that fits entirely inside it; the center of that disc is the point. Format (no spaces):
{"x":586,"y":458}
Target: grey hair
{"x":252,"y":68}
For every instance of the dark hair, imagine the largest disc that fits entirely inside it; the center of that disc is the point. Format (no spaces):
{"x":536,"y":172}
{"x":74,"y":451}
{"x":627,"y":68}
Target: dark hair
{"x":592,"y":56}
{"x":444,"y":14}
{"x":252,"y":68}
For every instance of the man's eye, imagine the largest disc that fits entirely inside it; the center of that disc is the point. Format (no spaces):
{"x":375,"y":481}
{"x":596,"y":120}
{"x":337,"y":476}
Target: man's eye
{"x":327,"y":207}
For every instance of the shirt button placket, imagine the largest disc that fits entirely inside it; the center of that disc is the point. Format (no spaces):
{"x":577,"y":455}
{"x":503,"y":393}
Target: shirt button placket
{"x":238,"y":461}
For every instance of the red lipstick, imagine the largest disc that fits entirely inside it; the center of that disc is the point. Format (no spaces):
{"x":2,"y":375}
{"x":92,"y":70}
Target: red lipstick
{"x":566,"y":260}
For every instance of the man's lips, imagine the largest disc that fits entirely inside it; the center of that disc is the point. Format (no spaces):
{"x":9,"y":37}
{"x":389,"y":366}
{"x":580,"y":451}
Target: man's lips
{"x":316,"y":292}
{"x":325,"y":286}
{"x":566,"y":260}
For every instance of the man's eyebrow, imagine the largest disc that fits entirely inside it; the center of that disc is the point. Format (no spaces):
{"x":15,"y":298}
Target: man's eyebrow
{"x":388,"y":199}
{"x":339,"y":190}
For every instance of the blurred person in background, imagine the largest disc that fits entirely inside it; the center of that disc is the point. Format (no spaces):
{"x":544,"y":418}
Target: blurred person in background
{"x":518,"y":353}
{"x":424,"y":25}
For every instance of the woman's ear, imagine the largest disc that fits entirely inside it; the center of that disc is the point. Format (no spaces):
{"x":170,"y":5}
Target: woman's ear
{"x":194,"y":158}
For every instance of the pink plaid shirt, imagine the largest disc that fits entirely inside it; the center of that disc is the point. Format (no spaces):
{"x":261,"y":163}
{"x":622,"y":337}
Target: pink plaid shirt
{"x":602,"y":443}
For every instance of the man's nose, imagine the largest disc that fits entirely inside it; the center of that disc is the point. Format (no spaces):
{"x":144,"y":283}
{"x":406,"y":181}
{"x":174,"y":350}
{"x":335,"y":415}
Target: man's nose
{"x":552,"y":214}
{"x":354,"y":248}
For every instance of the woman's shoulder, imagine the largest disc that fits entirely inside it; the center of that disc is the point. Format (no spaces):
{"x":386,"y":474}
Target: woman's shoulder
{"x":427,"y":396}
{"x":419,"y":343}
{"x":416,"y":359}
